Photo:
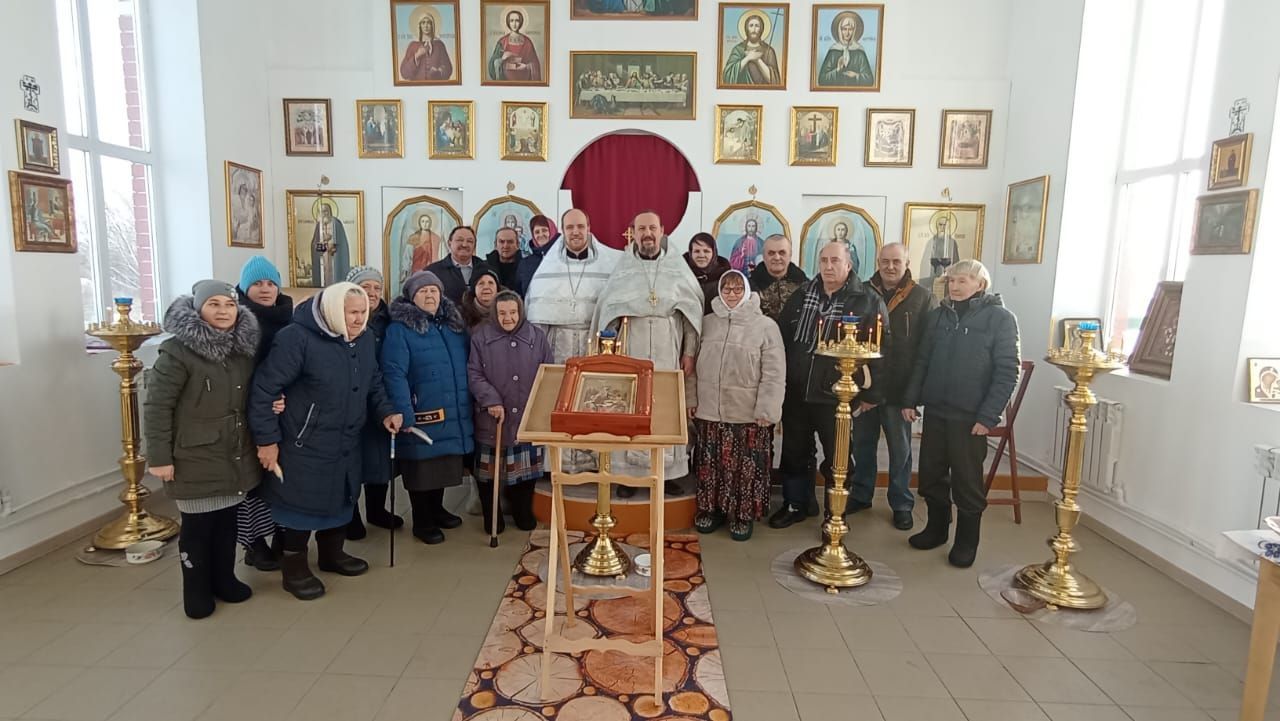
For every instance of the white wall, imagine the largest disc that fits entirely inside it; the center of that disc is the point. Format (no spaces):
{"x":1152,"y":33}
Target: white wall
{"x":1187,"y":461}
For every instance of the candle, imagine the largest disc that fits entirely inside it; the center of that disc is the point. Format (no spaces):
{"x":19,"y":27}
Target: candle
{"x":879,"y":329}
{"x":820,"y":338}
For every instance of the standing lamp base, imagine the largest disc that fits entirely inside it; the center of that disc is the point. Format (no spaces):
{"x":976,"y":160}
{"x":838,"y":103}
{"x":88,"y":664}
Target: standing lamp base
{"x":134,"y":528}
{"x":1062,"y":587}
{"x":602,"y":557}
{"x":833,"y":566}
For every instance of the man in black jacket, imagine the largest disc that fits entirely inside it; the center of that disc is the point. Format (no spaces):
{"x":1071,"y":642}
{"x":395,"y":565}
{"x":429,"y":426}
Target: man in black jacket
{"x":809,"y":405}
{"x":456,"y":269}
{"x":777,"y":277}
{"x":907,"y":303}
{"x":964,"y":374}
{"x":505,"y":256}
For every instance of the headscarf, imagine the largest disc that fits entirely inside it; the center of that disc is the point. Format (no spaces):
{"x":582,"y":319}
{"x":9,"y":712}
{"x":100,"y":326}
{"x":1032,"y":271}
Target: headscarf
{"x":333,"y":308}
{"x":746,"y":287}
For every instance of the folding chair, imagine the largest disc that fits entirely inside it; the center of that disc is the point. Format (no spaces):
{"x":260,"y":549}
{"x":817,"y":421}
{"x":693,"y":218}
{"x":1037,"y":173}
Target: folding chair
{"x":1004,"y":432}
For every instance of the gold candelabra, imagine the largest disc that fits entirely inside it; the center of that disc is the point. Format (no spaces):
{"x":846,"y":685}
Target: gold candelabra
{"x":603,"y":556}
{"x":125,"y":335}
{"x":831,"y":564}
{"x":1057,"y":582}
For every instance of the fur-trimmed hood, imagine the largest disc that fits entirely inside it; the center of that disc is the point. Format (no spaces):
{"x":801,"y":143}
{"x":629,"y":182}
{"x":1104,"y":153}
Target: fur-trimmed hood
{"x":418,"y":320}
{"x":184,"y":322}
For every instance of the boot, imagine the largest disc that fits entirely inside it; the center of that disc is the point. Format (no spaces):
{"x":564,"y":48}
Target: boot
{"x":486,"y":507}
{"x":443,"y":518}
{"x":261,"y":556}
{"x":936,"y":530}
{"x":355,"y":529}
{"x":424,"y":521}
{"x":298,"y":578}
{"x":332,"y":558}
{"x":375,"y":507}
{"x":226,"y":587}
{"x":521,"y":497}
{"x":965,"y":548}
{"x":195,"y":557}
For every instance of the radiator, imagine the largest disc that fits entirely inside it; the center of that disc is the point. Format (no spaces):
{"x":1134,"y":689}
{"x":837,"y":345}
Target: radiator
{"x":1101,"y":444}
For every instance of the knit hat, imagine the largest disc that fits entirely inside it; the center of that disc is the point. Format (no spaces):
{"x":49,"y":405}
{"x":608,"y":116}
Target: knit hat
{"x":203,"y":290}
{"x":475,"y":278}
{"x":361,"y":273}
{"x":258,"y":268}
{"x":418,"y":281}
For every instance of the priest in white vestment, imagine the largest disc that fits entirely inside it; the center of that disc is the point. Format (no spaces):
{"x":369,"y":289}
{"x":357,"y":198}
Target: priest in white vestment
{"x":656,"y":292}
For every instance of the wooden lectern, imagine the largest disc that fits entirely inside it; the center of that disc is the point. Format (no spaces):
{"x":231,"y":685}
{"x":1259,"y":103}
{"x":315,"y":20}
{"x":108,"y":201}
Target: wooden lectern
{"x":669,"y":428}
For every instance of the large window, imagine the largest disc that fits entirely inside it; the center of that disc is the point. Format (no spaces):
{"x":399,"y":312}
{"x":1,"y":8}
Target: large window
{"x":1164,"y":132}
{"x":109,"y":152}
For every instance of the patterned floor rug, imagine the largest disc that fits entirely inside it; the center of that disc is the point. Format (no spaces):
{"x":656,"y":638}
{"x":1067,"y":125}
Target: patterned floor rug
{"x":600,"y":685}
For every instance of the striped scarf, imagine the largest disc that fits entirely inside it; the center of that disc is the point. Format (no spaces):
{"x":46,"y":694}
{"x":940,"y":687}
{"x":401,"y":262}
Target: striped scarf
{"x":831,"y":309}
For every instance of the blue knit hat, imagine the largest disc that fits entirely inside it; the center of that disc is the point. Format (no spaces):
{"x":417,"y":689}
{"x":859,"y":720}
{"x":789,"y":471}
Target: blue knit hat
{"x":258,"y":268}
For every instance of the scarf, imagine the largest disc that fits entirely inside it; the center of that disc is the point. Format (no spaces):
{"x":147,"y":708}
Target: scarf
{"x":811,"y":307}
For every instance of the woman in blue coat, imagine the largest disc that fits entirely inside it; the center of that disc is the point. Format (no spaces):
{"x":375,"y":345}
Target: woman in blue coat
{"x":376,"y":442}
{"x":424,"y":365}
{"x":326,"y":366}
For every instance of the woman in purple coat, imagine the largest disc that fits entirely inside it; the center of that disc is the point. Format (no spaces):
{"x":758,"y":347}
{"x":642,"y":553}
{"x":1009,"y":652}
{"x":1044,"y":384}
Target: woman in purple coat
{"x":505,"y":355}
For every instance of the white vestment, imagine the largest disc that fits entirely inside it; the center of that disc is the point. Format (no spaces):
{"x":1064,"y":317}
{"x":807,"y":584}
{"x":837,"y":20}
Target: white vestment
{"x":662,"y":303}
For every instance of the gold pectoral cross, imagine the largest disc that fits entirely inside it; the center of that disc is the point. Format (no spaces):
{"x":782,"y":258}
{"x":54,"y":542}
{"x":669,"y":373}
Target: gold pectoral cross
{"x":653,"y":299}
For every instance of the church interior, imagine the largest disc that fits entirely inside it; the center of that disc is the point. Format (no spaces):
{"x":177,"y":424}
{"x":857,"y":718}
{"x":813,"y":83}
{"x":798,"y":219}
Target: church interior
{"x":1090,"y":166}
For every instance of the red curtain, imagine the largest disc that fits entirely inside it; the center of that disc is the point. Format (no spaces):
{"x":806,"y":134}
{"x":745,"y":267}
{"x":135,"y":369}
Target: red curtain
{"x":620,"y":175}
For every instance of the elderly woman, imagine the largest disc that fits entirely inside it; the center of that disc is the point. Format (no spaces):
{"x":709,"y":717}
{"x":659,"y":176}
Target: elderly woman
{"x":477,"y":302}
{"x":740,"y":384}
{"x":326,"y":366}
{"x":424,"y":359}
{"x":259,"y":292}
{"x":964,"y":373}
{"x":196,"y":438}
{"x":505,"y":355}
{"x":707,"y":267}
{"x":376,"y":442}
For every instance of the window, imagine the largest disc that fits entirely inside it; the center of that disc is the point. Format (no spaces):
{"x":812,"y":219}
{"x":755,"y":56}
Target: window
{"x":109,"y":153}
{"x":1164,"y":119}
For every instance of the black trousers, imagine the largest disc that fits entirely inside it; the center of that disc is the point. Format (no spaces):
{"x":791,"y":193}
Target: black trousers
{"x":295,"y":540}
{"x":800,"y":421}
{"x":951,"y":460}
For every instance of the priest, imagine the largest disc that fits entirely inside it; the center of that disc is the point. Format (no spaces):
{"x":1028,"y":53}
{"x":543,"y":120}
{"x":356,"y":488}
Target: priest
{"x":654,"y":290}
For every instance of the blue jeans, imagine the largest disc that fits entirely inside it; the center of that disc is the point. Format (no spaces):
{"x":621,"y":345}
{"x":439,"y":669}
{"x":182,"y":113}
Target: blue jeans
{"x":866,"y":441}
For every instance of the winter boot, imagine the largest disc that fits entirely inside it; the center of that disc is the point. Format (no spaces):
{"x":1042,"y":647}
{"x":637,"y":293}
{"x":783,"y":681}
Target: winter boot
{"x":195,"y":556}
{"x":375,"y":507}
{"x":936,"y":530}
{"x":332,"y":558}
{"x":425,"y":528}
{"x":298,"y":578}
{"x":226,"y":587}
{"x":965,"y":548}
{"x":521,"y":497}
{"x":261,"y":556}
{"x":486,"y":507}
{"x":355,"y":530}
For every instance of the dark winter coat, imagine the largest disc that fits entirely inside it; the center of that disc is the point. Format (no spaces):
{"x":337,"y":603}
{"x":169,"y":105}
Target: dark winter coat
{"x":194,"y":415}
{"x":424,"y":359}
{"x":967,"y":365}
{"x":375,"y":442}
{"x":332,"y":387}
{"x":774,"y":292}
{"x":501,"y":370}
{"x":529,"y":265}
{"x":271,"y":318}
{"x":708,"y":278}
{"x":507,"y":272}
{"x":907,"y":304}
{"x":811,"y":376}
{"x":451,"y":275}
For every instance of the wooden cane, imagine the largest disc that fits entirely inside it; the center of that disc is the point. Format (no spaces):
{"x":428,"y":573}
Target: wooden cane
{"x":497,"y":466}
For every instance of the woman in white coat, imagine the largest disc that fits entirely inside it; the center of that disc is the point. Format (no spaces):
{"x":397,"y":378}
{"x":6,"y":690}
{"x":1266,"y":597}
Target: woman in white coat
{"x":740,"y":384}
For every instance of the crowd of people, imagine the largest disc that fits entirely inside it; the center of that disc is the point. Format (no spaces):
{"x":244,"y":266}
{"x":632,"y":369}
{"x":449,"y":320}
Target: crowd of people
{"x":269,"y":421}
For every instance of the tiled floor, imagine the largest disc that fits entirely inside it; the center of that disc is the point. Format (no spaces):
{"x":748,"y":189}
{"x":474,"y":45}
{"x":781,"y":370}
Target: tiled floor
{"x":80,"y":643}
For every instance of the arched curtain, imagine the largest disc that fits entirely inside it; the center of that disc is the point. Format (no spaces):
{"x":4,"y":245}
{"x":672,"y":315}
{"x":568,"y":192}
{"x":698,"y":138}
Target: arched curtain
{"x":620,"y":175}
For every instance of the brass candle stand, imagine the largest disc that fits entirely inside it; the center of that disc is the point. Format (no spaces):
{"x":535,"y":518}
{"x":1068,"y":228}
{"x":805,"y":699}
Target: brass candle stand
{"x":831,"y":564}
{"x":136,"y":524}
{"x":603,"y":556}
{"x":1057,"y":582}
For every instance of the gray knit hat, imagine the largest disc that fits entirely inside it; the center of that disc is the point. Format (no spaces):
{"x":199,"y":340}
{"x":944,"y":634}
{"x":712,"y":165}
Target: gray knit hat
{"x":203,"y":290}
{"x":418,"y":280}
{"x":361,"y":273}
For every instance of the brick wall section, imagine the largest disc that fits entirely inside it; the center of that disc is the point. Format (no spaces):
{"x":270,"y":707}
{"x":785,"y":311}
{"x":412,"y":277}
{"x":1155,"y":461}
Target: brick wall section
{"x":141,"y":192}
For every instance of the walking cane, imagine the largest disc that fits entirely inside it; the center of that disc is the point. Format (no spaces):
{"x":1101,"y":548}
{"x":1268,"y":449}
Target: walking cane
{"x":497,"y":467}
{"x":393,"y":500}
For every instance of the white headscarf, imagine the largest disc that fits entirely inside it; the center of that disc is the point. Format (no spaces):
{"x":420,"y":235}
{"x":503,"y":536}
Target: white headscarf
{"x":333,"y":308}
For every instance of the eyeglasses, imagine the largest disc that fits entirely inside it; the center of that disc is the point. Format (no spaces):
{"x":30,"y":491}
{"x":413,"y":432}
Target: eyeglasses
{"x":732,"y":290}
